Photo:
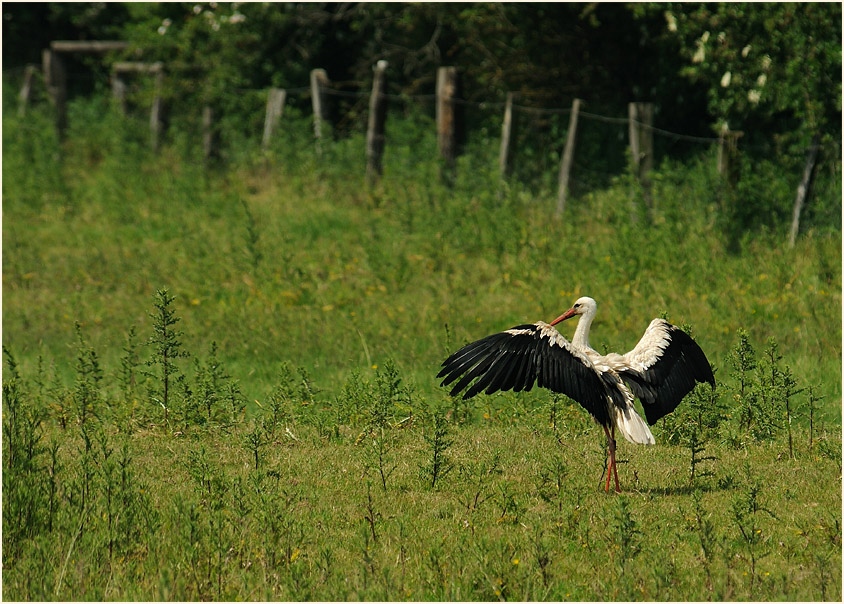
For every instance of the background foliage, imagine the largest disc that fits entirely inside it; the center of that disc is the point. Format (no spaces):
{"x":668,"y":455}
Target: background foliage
{"x":771,"y":70}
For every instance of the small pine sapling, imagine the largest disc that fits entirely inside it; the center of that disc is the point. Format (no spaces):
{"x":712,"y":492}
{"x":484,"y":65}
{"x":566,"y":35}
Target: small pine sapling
{"x":769,"y":392}
{"x":12,"y":410}
{"x":697,"y":449}
{"x":89,"y":375}
{"x":167,"y":347}
{"x":552,"y":480}
{"x":371,"y":515}
{"x":58,"y":396}
{"x":86,"y":470}
{"x":437,"y":438}
{"x":212,"y":383}
{"x":743,"y":361}
{"x":627,"y":533}
{"x":107,"y":470}
{"x":388,"y":391}
{"x":385,"y":396}
{"x":307,"y":391}
{"x":255,"y":440}
{"x":706,"y":413}
{"x":294,"y":390}
{"x":706,"y":535}
{"x":234,"y":399}
{"x":23,"y":493}
{"x":788,"y":386}
{"x":11,"y":363}
{"x":379,"y":454}
{"x":746,"y":515}
{"x":200,"y":470}
{"x":11,"y":423}
{"x":355,"y":398}
{"x":280,"y":402}
{"x":479,"y":473}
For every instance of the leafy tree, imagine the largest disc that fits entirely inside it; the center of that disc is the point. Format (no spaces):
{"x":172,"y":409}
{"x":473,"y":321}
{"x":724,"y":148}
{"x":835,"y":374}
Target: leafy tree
{"x":763,"y":61}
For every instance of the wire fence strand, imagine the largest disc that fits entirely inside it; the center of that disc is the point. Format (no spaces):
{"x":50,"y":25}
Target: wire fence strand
{"x":305,"y":91}
{"x":485,"y":105}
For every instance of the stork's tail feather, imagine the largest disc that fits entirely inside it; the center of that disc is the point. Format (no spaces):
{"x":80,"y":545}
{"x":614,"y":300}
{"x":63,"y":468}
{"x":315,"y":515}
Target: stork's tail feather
{"x":632,"y":426}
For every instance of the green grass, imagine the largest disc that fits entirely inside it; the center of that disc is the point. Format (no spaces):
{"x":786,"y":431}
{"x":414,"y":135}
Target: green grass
{"x":325,"y":299}
{"x":209,"y":526}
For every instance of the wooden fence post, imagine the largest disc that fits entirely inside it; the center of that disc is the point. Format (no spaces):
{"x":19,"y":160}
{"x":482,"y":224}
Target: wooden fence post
{"x":377,"y":119}
{"x":641,"y":137}
{"x":118,"y":89}
{"x":506,"y":131}
{"x":275,"y":107}
{"x":26,"y":89}
{"x":727,"y":154}
{"x":55,"y":78}
{"x":447,"y":115}
{"x":803,"y":189}
{"x":641,"y":117}
{"x":568,"y":156}
{"x":319,"y":80}
{"x":88,"y":46}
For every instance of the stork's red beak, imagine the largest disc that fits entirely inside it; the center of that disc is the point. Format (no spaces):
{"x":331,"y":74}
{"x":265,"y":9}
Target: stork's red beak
{"x":566,"y":315}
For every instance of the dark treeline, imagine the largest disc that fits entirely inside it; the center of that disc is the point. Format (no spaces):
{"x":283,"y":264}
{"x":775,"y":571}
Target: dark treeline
{"x":772,"y":67}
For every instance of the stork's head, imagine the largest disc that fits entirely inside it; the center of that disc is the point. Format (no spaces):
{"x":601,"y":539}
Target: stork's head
{"x":582,"y":306}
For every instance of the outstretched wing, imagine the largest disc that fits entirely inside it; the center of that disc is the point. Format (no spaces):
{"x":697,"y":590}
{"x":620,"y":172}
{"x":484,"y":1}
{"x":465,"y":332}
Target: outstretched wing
{"x":517,"y":358}
{"x":664,"y":367}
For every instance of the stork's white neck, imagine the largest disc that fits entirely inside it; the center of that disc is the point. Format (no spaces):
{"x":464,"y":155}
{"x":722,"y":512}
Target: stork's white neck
{"x":581,"y":333}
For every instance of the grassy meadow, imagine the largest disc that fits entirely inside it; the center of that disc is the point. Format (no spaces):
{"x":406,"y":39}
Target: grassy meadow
{"x":271,"y":426}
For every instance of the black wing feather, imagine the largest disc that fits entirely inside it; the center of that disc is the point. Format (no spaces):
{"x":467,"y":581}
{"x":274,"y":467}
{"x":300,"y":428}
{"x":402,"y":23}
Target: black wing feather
{"x":671,"y":376}
{"x":488,"y":376}
{"x":477,"y":370}
{"x":522,"y":356}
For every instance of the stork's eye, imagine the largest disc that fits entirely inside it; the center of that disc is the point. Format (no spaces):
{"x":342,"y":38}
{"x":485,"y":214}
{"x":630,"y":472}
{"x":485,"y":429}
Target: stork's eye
{"x":577,"y":305}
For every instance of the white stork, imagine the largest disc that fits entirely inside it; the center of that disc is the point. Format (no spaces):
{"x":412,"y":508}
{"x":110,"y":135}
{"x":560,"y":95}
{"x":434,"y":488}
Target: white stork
{"x":662,"y":368}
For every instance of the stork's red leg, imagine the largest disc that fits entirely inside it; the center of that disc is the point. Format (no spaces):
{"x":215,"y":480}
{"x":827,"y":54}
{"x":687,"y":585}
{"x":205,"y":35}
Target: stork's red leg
{"x":610,"y":456}
{"x":611,"y":469}
{"x":614,"y":464}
